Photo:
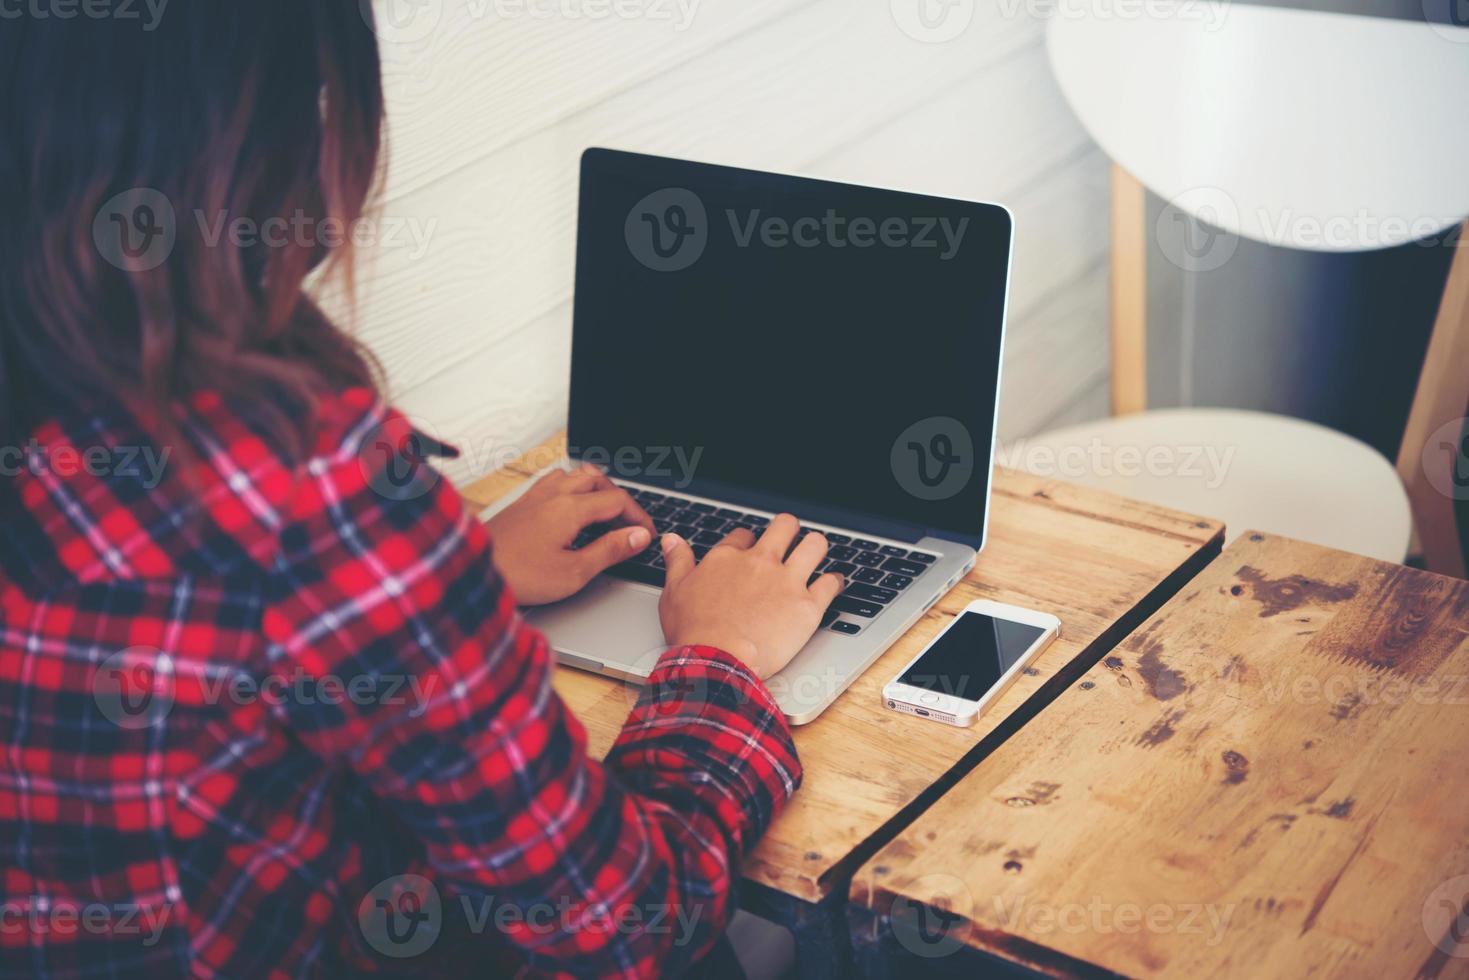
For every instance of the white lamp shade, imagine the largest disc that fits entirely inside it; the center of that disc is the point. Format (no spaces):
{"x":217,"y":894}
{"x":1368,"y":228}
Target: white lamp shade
{"x":1321,"y":131}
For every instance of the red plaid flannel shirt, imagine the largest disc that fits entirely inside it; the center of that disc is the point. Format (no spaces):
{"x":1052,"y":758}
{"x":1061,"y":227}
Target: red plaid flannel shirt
{"x":286,"y":721}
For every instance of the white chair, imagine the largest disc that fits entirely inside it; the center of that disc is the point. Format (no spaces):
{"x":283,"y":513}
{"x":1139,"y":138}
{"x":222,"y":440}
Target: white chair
{"x":1302,"y":129}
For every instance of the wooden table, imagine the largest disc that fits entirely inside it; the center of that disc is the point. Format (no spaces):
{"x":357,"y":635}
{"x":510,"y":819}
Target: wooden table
{"x":1268,"y":779}
{"x":1100,"y":563}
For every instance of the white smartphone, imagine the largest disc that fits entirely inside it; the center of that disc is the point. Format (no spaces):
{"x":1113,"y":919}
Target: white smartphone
{"x":976,"y":657}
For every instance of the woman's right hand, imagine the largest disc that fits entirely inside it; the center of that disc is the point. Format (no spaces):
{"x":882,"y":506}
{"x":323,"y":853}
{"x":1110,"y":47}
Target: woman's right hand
{"x":746,"y":597}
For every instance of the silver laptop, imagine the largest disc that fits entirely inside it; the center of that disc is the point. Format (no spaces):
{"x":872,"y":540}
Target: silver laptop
{"x":748,"y":343}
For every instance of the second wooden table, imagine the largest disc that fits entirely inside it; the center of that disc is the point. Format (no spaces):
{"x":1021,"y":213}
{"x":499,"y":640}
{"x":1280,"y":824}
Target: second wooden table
{"x":1266,"y":780}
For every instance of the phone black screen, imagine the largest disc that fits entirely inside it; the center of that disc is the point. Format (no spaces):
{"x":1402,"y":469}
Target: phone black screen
{"x":971,"y":656}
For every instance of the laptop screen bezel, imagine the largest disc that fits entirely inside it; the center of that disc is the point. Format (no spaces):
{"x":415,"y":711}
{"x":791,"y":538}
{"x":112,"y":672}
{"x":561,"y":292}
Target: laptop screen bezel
{"x":688,"y":173}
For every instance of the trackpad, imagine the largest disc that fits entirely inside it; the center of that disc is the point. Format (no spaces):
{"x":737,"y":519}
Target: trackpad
{"x":609,"y":623}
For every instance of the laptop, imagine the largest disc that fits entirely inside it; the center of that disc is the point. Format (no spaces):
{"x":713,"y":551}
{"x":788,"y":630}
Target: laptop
{"x":748,"y":343}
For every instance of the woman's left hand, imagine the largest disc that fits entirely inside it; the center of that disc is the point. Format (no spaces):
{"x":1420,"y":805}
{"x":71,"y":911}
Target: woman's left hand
{"x":532,"y":537}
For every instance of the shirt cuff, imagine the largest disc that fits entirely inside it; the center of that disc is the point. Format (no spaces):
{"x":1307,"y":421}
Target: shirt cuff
{"x":703,"y":710}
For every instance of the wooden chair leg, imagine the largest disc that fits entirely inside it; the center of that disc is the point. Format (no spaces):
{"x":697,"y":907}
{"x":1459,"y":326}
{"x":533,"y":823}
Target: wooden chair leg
{"x":1129,"y":286}
{"x":1434,"y":474}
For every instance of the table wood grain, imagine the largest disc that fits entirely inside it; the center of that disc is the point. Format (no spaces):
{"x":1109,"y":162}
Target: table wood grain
{"x":1098,"y":562}
{"x":1268,"y":779}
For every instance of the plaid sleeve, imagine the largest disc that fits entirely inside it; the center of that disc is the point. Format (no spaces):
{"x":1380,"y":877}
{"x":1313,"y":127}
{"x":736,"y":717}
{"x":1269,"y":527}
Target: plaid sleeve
{"x":384,"y":582}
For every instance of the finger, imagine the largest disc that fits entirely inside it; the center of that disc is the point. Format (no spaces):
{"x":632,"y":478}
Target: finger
{"x":779,"y":535}
{"x":808,"y":555}
{"x":613,"y":547}
{"x":678,"y":557}
{"x":602,"y":506}
{"x":828,"y":587}
{"x":741,"y":537}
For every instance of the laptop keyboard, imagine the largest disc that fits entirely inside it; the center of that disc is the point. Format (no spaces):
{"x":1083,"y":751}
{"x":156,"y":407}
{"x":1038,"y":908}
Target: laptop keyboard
{"x":877,"y":574}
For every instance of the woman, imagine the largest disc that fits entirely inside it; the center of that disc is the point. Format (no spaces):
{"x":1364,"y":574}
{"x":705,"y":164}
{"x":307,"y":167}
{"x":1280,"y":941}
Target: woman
{"x":265,"y":708}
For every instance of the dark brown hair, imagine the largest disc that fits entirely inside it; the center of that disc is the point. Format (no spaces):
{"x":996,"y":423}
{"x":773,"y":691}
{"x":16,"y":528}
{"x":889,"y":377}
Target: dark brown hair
{"x":126,"y":146}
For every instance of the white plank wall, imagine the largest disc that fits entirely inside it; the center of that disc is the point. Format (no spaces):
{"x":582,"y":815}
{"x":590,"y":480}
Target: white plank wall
{"x":468,"y":302}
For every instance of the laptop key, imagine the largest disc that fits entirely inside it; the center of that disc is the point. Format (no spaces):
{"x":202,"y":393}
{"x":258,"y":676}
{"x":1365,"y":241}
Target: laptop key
{"x":707,"y":537}
{"x":836,"y":538}
{"x":685,"y":531}
{"x":870,"y":593}
{"x":712,"y":523}
{"x":896,"y":582}
{"x":729,"y":515}
{"x":842,"y":553}
{"x":862,"y":544}
{"x":857,"y":607}
{"x":846,"y":628}
{"x":868,"y":576}
{"x":871,"y":558}
{"x":892,"y":552}
{"x":702,"y":508}
{"x":756,"y":520}
{"x":921,"y":558}
{"x":844,"y":567}
{"x":900,"y":566}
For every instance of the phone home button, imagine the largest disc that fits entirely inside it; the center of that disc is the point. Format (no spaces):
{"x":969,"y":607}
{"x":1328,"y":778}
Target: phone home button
{"x":928,"y":697}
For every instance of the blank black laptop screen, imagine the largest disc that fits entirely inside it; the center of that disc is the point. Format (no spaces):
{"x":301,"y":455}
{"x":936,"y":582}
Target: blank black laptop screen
{"x":807,"y":341}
